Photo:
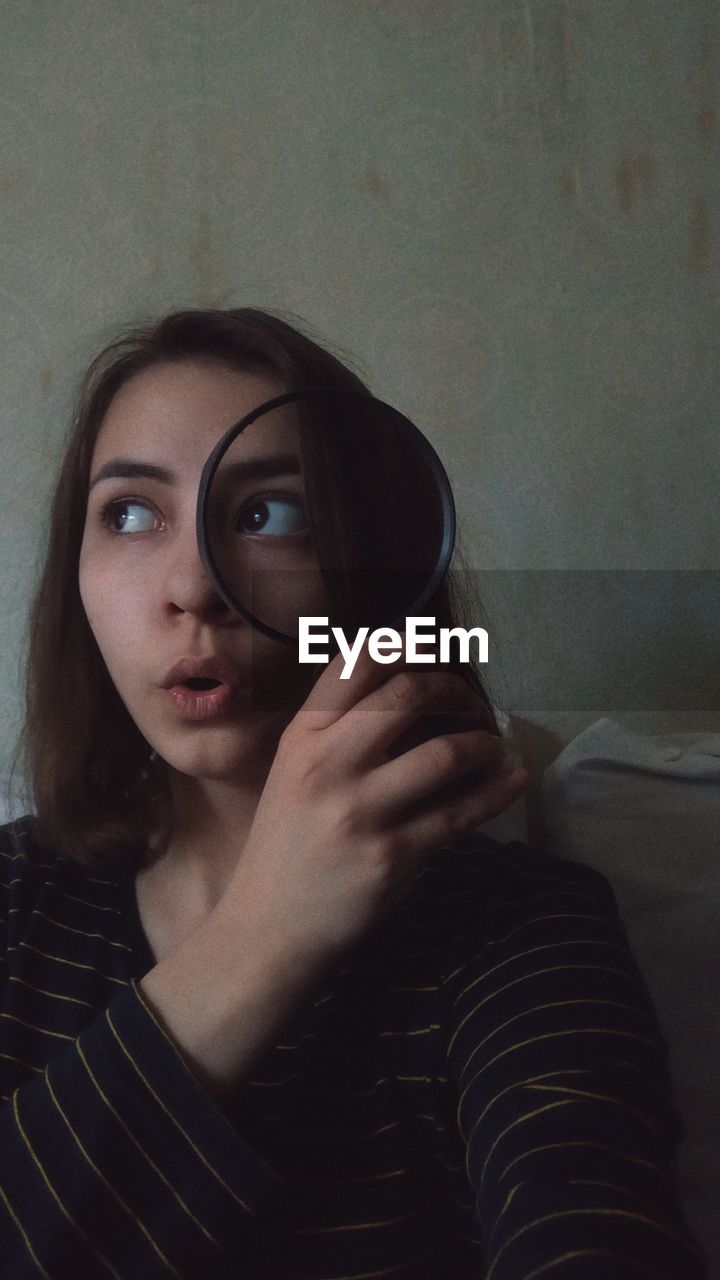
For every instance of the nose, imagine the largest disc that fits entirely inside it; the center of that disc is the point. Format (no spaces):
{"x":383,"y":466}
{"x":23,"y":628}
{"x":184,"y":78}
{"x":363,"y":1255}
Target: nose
{"x":188,"y":587}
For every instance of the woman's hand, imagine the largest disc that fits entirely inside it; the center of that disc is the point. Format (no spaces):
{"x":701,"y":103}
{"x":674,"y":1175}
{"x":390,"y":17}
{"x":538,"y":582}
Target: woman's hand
{"x":344,"y":822}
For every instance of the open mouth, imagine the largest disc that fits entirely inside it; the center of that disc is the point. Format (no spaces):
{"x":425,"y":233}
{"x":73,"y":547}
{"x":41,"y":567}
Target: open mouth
{"x":200,"y":682}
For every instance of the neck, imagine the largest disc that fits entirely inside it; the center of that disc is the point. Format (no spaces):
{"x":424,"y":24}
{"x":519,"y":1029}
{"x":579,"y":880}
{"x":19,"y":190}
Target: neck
{"x":211,"y":822}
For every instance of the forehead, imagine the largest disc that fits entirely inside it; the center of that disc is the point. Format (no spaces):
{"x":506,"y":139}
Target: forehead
{"x":184,"y":409}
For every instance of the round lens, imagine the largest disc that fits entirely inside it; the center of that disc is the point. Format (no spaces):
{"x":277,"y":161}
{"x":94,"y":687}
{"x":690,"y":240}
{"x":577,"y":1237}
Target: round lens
{"x":325,"y":503}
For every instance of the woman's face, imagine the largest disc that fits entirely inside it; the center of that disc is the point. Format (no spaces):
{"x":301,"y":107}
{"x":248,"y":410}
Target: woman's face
{"x":147,"y":597}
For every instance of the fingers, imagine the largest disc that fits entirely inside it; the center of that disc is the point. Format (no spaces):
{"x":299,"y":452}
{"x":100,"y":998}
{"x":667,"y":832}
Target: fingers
{"x":433,"y":828}
{"x":409,"y":696}
{"x":379,"y":709}
{"x":414,"y":777}
{"x":331,"y":698}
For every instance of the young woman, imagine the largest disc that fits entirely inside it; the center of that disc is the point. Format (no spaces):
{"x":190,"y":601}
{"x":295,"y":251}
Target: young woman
{"x":271,"y":1005}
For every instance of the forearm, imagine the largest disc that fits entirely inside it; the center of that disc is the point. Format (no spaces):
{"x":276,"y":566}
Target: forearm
{"x":222,"y":995}
{"x":117,"y":1161}
{"x":565,"y":1099}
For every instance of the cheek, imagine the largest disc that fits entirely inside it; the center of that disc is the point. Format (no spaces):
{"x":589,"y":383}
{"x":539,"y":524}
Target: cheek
{"x":108,"y":611}
{"x":96,"y":594}
{"x":88,"y":591}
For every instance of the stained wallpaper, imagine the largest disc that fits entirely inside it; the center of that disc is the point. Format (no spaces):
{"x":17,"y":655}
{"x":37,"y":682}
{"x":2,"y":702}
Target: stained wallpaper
{"x":502,"y":213}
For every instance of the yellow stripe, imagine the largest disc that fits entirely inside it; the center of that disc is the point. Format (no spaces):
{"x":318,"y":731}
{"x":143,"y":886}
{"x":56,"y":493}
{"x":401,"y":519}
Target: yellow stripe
{"x":385,"y":1271}
{"x":555,"y":1035}
{"x":20,"y":1062}
{"x":497,"y":942}
{"x":551,"y":1146}
{"x":546,"y":946}
{"x":520,"y":1084}
{"x":31,"y":864}
{"x":60,"y":1035}
{"x":623,"y":1191}
{"x":54,"y":995}
{"x":51,"y":866}
{"x":176,"y":1122}
{"x":428,"y":990}
{"x":75,"y":964}
{"x":83,"y":932}
{"x":109,"y":1185}
{"x":530,"y":1115}
{"x":55,"y":1195}
{"x":571,"y":1213}
{"x":293,"y":1048}
{"x":355,"y":1093}
{"x":554,"y":915}
{"x":277,"y":1084}
{"x":526,"y":977}
{"x":536,"y":1008}
{"x":353,"y":1226}
{"x":420,"y":1031}
{"x":97,"y":880}
{"x":439,"y":1128}
{"x":600,"y":1253}
{"x":24,"y":1235}
{"x":83,"y":901}
{"x":12,"y":856}
{"x":142,"y":1150}
{"x":510,"y":1198}
{"x":600,"y":1097}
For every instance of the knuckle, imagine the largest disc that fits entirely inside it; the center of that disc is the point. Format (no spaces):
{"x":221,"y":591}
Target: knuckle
{"x":312,"y":774}
{"x":292,"y":738}
{"x":386,"y":850}
{"x":405,"y":687}
{"x":447,"y":752}
{"x":288,"y":734}
{"x":459,"y":818}
{"x":353,"y":821}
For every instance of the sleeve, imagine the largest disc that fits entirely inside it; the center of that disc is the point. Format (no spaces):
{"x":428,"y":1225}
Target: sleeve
{"x":115,"y":1162}
{"x":564,"y":1098}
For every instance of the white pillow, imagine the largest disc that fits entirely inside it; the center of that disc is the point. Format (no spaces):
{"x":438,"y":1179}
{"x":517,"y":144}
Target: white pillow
{"x":645,"y":812}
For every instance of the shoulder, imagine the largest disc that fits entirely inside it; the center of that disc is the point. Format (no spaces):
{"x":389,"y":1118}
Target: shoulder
{"x":36,"y":880}
{"x":20,"y":854}
{"x":477,"y":890}
{"x":480,"y":870}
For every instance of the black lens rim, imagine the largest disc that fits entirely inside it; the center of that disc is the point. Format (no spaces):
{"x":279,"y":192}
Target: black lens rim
{"x":213,"y":462}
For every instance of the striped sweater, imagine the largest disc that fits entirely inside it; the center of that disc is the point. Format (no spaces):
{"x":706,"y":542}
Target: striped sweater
{"x":479,"y":1089}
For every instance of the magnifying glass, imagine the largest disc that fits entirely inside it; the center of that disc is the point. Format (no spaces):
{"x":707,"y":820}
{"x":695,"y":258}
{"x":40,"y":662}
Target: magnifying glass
{"x":329,"y":503}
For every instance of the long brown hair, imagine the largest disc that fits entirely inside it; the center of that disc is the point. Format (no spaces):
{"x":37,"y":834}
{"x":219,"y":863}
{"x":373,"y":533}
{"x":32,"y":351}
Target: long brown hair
{"x":97,"y":788}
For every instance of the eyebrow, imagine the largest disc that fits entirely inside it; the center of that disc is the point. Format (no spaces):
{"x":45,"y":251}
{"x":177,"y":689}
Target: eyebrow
{"x":252,"y":469}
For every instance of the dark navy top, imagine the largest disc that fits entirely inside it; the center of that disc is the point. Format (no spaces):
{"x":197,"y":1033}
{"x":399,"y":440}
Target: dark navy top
{"x":479,"y":1088}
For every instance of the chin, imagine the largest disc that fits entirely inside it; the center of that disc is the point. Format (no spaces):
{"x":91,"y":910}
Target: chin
{"x":221,"y":755}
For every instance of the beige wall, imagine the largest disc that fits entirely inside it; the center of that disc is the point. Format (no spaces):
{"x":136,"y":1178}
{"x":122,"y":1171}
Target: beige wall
{"x":505,"y":212}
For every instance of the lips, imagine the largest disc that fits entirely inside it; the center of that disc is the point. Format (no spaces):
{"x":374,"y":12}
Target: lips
{"x":207,"y":668}
{"x":203,"y":689}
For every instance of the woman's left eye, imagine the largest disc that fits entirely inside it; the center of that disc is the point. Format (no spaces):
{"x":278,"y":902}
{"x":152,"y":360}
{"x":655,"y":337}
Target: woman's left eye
{"x":124,"y":514}
{"x":288,"y":518}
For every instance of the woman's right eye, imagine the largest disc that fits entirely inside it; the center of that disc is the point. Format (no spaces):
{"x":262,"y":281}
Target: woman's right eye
{"x":124,"y":513}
